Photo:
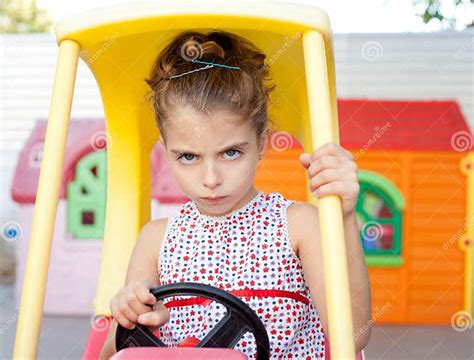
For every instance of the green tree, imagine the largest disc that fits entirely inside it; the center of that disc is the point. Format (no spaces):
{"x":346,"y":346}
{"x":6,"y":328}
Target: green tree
{"x":433,"y":9}
{"x":16,"y":17}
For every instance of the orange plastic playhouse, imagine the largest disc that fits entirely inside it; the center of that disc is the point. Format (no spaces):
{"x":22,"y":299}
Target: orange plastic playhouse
{"x":415,"y":162}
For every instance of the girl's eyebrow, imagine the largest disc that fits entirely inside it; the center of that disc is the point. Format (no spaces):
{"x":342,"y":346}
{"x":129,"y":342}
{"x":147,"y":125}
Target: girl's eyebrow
{"x":225,"y":148}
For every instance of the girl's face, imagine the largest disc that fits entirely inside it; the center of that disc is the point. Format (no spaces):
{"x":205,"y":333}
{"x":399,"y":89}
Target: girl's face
{"x":212,"y":156}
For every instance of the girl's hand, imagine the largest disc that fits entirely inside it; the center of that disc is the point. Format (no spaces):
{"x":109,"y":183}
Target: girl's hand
{"x":134,"y":303}
{"x":332,"y":171}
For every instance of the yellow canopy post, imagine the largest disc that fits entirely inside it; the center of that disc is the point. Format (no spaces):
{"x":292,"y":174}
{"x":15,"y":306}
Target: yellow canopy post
{"x":119,"y":44}
{"x":324,"y":128}
{"x":37,"y":264}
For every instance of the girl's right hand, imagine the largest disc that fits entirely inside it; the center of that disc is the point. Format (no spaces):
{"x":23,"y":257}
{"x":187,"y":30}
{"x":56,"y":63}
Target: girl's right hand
{"x":134,"y":303}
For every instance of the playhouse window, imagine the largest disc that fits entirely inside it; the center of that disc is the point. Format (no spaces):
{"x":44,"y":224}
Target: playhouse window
{"x":86,"y":198}
{"x":379,"y":215}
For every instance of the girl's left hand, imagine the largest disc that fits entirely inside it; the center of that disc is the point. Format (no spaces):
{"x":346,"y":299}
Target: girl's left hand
{"x":332,"y":171}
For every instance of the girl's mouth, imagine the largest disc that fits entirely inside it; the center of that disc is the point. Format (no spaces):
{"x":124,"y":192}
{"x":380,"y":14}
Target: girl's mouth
{"x":214,"y":200}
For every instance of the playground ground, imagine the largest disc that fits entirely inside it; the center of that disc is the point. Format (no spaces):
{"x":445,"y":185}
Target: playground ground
{"x":65,"y":337}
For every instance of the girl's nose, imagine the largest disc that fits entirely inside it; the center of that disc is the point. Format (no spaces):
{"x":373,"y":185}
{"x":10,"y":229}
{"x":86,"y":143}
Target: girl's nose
{"x":212,"y":177}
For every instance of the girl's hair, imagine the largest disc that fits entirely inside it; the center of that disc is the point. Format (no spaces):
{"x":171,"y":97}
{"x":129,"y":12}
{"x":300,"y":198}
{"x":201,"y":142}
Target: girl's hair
{"x":243,"y":91}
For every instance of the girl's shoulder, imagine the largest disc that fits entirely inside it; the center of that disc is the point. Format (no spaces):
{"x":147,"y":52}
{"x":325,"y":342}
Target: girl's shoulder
{"x":154,"y":226}
{"x":154,"y":231}
{"x":142,"y":263}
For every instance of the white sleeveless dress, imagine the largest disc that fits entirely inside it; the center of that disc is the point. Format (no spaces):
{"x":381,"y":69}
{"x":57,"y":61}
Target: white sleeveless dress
{"x":247,"y":250}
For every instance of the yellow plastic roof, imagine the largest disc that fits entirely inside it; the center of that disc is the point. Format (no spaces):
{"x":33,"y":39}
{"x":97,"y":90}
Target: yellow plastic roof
{"x":259,"y":11}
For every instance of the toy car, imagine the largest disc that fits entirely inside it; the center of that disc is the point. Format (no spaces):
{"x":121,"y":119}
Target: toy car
{"x":119,"y":44}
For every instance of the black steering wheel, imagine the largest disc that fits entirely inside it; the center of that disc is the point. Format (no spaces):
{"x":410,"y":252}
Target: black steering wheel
{"x":239,"y":319}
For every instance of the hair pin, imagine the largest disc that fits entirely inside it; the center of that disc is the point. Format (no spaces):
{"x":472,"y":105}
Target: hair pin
{"x":208,"y":66}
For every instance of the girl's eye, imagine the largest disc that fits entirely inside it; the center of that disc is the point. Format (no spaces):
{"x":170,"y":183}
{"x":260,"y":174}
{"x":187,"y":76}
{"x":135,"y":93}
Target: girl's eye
{"x":186,"y":156}
{"x":190,"y":157}
{"x":235,"y":152}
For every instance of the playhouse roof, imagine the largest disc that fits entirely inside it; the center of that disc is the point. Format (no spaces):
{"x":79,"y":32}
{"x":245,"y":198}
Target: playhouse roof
{"x":84,"y":137}
{"x":402,"y":125}
{"x":377,"y":125}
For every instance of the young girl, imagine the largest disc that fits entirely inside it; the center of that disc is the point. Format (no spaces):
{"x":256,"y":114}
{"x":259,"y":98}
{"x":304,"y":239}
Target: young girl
{"x":211,"y":101}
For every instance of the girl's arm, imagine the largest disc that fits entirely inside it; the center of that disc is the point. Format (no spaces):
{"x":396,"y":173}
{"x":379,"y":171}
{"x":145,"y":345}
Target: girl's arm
{"x":142,"y":267}
{"x":305,"y":234}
